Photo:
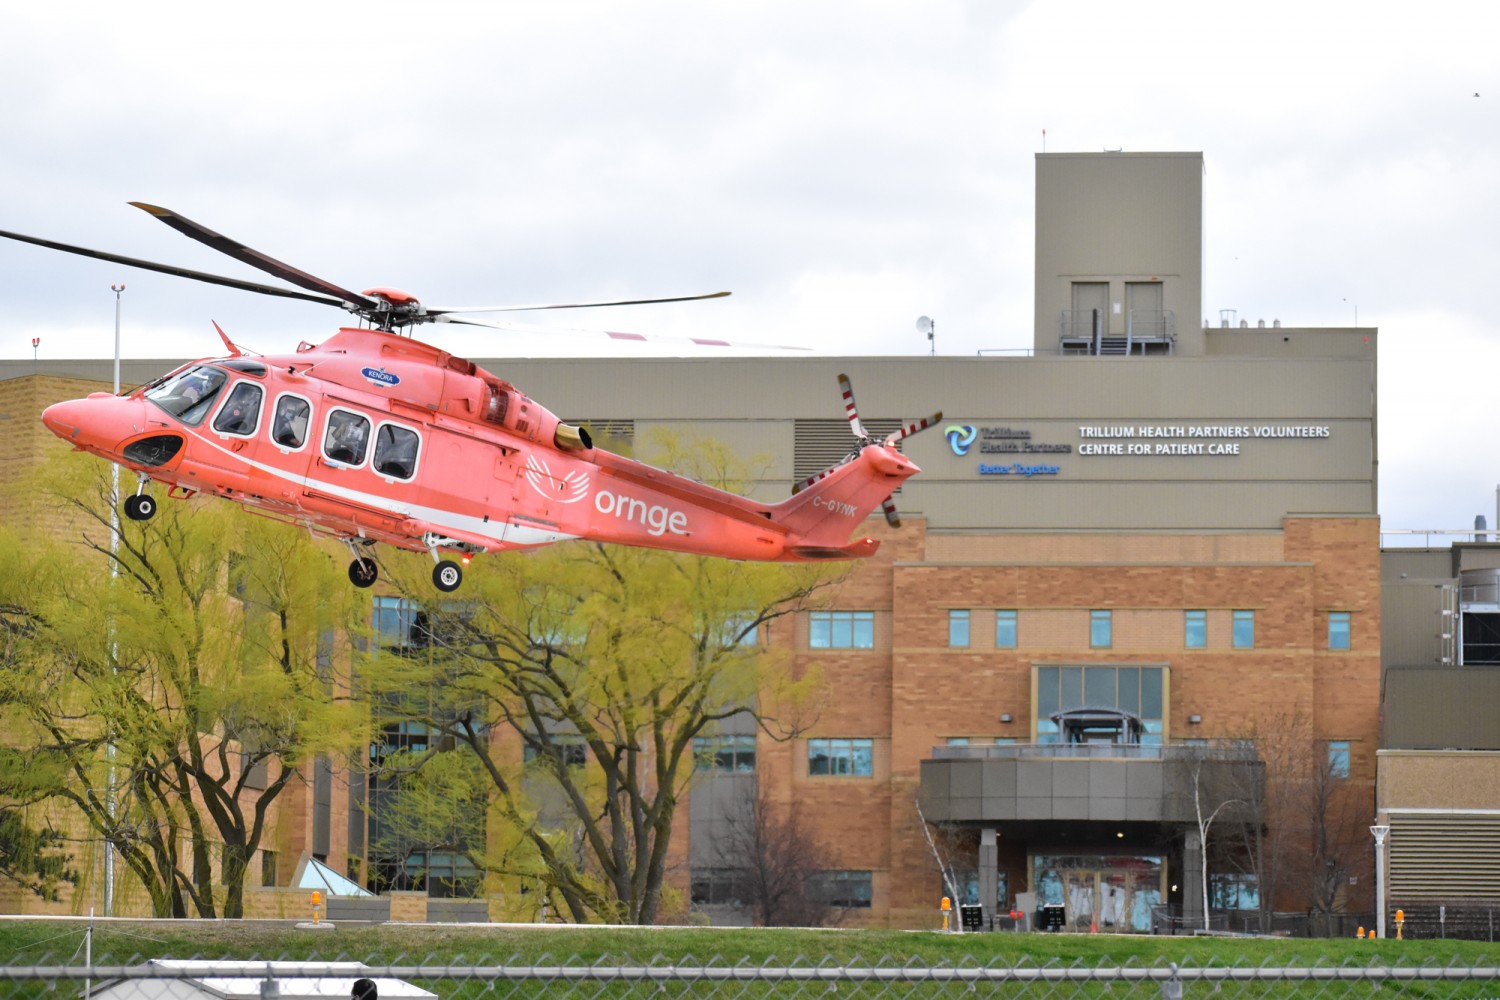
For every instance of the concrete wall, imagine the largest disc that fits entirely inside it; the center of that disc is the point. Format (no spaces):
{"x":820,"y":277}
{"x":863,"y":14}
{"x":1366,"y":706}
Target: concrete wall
{"x":1120,"y":217}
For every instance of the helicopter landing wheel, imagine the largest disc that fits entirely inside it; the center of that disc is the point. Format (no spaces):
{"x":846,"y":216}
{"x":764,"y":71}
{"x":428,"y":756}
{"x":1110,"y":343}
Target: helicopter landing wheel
{"x":446,"y":576}
{"x":140,"y":507}
{"x":363,"y":572}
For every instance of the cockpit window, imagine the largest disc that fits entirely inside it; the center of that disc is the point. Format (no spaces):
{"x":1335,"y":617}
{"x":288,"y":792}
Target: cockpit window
{"x":189,"y":395}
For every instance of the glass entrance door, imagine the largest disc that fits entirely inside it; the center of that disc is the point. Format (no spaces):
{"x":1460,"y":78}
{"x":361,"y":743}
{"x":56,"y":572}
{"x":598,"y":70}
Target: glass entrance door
{"x":1111,"y":893}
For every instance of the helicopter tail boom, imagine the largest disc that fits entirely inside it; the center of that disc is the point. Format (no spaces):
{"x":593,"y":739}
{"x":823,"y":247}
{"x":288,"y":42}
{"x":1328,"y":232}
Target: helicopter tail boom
{"x":820,"y":518}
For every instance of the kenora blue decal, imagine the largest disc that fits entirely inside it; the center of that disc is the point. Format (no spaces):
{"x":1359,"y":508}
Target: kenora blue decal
{"x":960,"y":437}
{"x":379,"y":376}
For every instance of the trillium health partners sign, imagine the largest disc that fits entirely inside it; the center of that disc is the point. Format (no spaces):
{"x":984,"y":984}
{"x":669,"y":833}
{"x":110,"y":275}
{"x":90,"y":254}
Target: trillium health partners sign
{"x":1187,"y":439}
{"x":1012,"y":452}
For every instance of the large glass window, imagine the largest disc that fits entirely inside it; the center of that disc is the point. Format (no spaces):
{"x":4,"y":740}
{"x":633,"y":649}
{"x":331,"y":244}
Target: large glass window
{"x":1101,"y":629}
{"x":1338,"y":630}
{"x":729,"y":754}
{"x":395,"y":451}
{"x":1082,"y":704}
{"x":240,"y":414}
{"x":842,"y":630}
{"x":289,"y":422}
{"x":1338,"y":758}
{"x":1195,"y":629}
{"x":848,"y":889}
{"x":958,"y":628}
{"x":1243,"y":635}
{"x":1005,"y":629}
{"x":850,"y":758}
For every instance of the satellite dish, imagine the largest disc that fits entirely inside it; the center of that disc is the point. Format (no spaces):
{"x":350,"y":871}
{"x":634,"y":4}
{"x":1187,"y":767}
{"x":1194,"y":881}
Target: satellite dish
{"x":924,"y":325}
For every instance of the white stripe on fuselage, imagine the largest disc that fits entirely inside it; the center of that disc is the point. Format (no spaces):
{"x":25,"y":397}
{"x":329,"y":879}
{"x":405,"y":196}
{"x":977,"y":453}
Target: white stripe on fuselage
{"x":501,"y":531}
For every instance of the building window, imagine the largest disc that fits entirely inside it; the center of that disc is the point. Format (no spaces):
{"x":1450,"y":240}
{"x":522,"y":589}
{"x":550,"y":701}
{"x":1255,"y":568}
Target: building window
{"x":268,"y":868}
{"x":846,"y":889}
{"x":846,"y":758}
{"x":842,"y":630}
{"x":1243,"y":636}
{"x":958,"y":741}
{"x":1005,"y":630}
{"x":1338,"y":630}
{"x":1338,"y":758}
{"x":1233,"y":891}
{"x":1101,"y":629}
{"x":1072,"y":704}
{"x":567,"y":747}
{"x":727,"y":754}
{"x":1195,"y":629}
{"x":718,"y":886}
{"x":741,"y":630}
{"x":958,"y":628}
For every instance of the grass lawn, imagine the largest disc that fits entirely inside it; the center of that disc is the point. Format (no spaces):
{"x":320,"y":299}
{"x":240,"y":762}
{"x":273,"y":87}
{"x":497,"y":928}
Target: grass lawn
{"x":27,"y":942}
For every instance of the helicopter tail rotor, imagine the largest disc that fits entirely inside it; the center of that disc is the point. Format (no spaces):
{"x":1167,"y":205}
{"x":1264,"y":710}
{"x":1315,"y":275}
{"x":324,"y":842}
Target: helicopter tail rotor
{"x":863,"y":440}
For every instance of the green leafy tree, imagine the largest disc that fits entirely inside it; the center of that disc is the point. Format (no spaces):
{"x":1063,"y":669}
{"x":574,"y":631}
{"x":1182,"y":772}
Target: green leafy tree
{"x":576,"y":678}
{"x":35,"y":858}
{"x":161,"y":695}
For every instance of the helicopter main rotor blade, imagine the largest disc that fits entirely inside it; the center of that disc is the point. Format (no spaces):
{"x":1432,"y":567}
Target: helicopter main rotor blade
{"x":181,"y":272}
{"x":256,"y":259}
{"x":637,"y":337}
{"x":440,"y":310}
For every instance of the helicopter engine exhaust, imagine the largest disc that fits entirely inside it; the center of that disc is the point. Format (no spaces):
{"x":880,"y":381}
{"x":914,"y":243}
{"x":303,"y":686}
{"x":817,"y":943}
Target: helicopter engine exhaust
{"x":570,"y":438}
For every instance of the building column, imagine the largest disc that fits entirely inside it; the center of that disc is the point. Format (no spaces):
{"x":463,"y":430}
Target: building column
{"x":1192,"y":878}
{"x":989,"y":872}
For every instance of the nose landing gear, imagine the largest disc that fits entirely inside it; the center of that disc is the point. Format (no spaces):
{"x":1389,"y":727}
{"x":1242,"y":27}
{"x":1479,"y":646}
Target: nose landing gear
{"x":142,"y":505}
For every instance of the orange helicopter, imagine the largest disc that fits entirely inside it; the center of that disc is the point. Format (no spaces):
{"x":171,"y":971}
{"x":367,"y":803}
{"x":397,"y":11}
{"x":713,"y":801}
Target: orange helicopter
{"x":373,"y":436}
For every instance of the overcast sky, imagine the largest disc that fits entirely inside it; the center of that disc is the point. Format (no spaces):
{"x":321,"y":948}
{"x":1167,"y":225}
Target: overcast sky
{"x":842,"y":167}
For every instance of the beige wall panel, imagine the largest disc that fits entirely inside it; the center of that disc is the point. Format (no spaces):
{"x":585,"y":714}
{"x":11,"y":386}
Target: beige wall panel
{"x":1428,"y":779}
{"x":1120,"y":217}
{"x":1040,"y":506}
{"x":1104,"y":548}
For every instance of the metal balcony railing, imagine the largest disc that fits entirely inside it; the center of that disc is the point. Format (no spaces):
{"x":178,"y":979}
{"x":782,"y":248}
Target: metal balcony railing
{"x":1225,"y":750}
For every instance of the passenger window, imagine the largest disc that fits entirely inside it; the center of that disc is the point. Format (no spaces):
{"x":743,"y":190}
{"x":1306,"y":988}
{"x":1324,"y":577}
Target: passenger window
{"x":347,"y":438}
{"x":241,"y":412}
{"x":289,"y":426}
{"x":395,"y":452}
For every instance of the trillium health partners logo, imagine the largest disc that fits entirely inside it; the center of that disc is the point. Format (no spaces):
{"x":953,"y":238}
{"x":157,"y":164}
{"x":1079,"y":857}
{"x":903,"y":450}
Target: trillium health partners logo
{"x":960,"y":437}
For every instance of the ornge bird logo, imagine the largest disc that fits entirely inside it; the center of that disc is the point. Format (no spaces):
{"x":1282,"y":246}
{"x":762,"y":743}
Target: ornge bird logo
{"x":571,"y":488}
{"x":960,"y":436}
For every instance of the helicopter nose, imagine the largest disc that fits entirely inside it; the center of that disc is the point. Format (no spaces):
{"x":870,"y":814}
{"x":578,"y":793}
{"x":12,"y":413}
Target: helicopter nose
{"x":98,"y":423}
{"x":65,"y":419}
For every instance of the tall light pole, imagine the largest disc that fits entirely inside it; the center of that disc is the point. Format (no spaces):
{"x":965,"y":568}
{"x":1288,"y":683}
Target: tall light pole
{"x":1380,"y":830}
{"x":114,"y":573}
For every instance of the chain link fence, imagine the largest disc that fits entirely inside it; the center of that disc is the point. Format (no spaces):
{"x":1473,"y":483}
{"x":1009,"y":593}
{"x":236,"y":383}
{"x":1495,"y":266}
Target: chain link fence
{"x":721,"y":980}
